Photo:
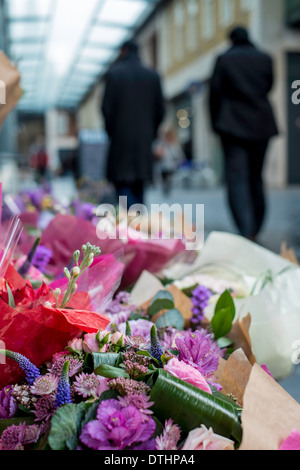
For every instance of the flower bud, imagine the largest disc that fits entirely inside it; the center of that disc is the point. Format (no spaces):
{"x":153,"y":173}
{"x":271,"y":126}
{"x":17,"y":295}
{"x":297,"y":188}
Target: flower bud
{"x":76,"y":255}
{"x":84,"y":248}
{"x":57,"y":293}
{"x":67,"y":273}
{"x":76,"y":271}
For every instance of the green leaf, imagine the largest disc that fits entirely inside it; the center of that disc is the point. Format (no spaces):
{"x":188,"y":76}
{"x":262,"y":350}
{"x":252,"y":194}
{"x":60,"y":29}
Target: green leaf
{"x":171,"y":318}
{"x":11,"y":300}
{"x":222,"y":320}
{"x":190,"y":407}
{"x":109,"y":359}
{"x":163,"y":300}
{"x":111,"y":372}
{"x":66,"y":426}
{"x":226,"y":302}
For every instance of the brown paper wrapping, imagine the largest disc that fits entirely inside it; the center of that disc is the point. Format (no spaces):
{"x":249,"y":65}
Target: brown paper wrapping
{"x":241,"y":338}
{"x":269,"y":413}
{"x":288,"y":254}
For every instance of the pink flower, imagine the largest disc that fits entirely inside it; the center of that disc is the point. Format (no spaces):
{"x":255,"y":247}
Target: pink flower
{"x":116,"y":337}
{"x":76,"y":344}
{"x":91,"y":344}
{"x":188,"y":374}
{"x":204,"y":439}
{"x":292,"y":442}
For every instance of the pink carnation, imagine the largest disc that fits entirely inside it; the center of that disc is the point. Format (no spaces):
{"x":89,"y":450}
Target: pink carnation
{"x":91,"y":343}
{"x":204,"y":439}
{"x":188,"y":374}
{"x":292,"y":442}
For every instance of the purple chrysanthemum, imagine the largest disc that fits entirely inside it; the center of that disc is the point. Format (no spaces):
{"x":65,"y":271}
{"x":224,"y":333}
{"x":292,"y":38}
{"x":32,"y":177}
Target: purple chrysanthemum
{"x":8,"y":404}
{"x":169,"y":438}
{"x":44,"y":385}
{"x":117,"y":428}
{"x":87,"y":385}
{"x":156,"y":349}
{"x":74,"y":365}
{"x":63,"y":394}
{"x":200,"y":300}
{"x":31,"y":371}
{"x":44,"y":408}
{"x":200,"y":351}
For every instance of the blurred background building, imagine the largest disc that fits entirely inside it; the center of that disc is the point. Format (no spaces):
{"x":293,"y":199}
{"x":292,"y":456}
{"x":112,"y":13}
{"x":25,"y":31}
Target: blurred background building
{"x":63,"y":49}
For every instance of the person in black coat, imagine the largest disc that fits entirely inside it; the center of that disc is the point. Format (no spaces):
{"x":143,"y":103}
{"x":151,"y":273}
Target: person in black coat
{"x":133,"y":109}
{"x":242,"y":116}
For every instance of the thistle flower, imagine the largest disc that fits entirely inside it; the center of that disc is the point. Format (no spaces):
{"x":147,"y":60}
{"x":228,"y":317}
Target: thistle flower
{"x":156,"y":349}
{"x":31,"y":371}
{"x":8,"y":404}
{"x":44,"y":408}
{"x":87,"y":385}
{"x":200,"y":300}
{"x":169,"y":438}
{"x":63,"y":395}
{"x":74,"y":365}
{"x":128,"y":386}
{"x":44,"y":385}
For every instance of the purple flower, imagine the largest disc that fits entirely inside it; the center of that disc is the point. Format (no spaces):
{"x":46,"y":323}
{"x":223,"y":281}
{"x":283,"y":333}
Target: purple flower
{"x":16,"y":437}
{"x":141,"y":402}
{"x":156,"y":349}
{"x":44,"y":385}
{"x":200,"y":300}
{"x":31,"y":371}
{"x":74,"y":365}
{"x":117,"y":428}
{"x":128,"y":386}
{"x":63,"y":395}
{"x":42,"y":258}
{"x":44,"y":408}
{"x":169,"y":438}
{"x":139,"y":327}
{"x":8,"y":404}
{"x":200,"y":351}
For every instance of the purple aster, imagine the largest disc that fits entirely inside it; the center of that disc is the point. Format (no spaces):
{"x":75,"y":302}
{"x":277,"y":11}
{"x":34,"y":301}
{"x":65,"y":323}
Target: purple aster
{"x":169,"y":438}
{"x":8,"y":404}
{"x":156,"y":349}
{"x":31,"y":371}
{"x":44,"y":408}
{"x":200,"y":351}
{"x":87,"y":385}
{"x":44,"y":385}
{"x":200,"y":300}
{"x":117,"y":428}
{"x":74,"y":365}
{"x":63,"y":395}
{"x":42,"y":258}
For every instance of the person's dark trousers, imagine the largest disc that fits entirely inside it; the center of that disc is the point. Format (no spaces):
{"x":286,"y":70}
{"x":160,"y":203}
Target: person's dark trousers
{"x":244,"y":162}
{"x":133,"y":191}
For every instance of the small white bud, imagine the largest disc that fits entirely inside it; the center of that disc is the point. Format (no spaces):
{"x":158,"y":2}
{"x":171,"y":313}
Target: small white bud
{"x":76,"y":271}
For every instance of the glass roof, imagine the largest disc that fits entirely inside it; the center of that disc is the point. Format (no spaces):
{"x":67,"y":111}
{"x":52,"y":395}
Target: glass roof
{"x":62,"y":47}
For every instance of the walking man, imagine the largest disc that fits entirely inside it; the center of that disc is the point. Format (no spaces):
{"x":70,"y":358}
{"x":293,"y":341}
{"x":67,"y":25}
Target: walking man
{"x":242,"y":116}
{"x":133,"y":109}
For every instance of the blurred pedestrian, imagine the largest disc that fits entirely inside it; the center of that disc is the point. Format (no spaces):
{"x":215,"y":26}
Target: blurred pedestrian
{"x":243,"y":117}
{"x":170,"y":155}
{"x":133,"y":109}
{"x":39,"y":159}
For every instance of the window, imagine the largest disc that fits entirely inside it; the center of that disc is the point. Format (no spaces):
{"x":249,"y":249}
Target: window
{"x":192,"y":25}
{"x":179,"y":28}
{"x":226,"y":12}
{"x":208,"y":19}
